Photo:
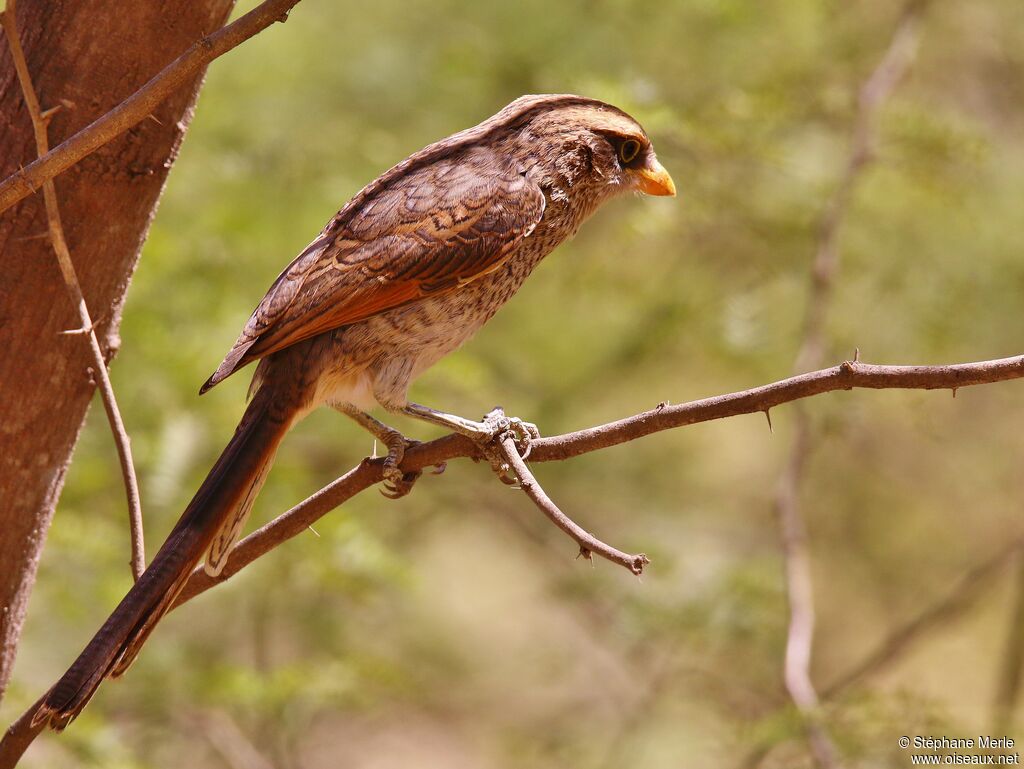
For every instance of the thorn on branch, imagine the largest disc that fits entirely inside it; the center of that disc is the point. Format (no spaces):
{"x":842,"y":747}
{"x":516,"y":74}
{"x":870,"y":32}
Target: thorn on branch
{"x":46,"y":114}
{"x":556,"y":448}
{"x":81,"y":331}
{"x":768,"y":416}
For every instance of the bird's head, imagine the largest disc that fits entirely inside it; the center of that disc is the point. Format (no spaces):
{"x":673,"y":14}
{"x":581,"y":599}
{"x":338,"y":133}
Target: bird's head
{"x":573,"y":141}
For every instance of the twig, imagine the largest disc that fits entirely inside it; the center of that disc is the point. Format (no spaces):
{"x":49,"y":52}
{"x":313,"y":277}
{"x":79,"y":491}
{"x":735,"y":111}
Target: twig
{"x":67,"y":270}
{"x":588,"y":542}
{"x":824,"y":268}
{"x":141,"y":103}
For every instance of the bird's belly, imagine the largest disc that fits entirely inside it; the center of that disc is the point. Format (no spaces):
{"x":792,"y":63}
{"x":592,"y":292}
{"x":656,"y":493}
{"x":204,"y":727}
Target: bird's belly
{"x":425,"y":331}
{"x":383,"y":354}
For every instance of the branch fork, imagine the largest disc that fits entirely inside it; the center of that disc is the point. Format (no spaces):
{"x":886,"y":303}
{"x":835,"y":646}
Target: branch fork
{"x":521,"y":433}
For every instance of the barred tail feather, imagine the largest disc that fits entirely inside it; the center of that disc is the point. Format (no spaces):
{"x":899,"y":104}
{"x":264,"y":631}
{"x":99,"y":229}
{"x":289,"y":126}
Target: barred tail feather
{"x":231,"y":529}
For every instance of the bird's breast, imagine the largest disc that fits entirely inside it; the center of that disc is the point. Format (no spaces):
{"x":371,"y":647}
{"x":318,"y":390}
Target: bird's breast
{"x":393,"y":348}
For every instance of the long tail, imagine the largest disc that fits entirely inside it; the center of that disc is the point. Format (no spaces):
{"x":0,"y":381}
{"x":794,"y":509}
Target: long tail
{"x":212,"y":520}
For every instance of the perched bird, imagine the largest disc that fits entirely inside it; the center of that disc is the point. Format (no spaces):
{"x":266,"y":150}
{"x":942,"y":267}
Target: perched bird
{"x":401,"y":276}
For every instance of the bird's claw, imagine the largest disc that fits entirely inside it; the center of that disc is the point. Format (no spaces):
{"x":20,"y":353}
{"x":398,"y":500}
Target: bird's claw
{"x":397,"y":483}
{"x":523,"y":432}
{"x":498,"y":425}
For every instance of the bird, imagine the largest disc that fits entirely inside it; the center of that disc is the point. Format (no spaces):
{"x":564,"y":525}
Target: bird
{"x":405,"y":273}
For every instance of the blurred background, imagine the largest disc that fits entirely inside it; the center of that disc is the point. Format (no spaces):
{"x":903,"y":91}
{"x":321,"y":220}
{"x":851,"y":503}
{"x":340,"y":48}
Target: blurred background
{"x":454,"y":628}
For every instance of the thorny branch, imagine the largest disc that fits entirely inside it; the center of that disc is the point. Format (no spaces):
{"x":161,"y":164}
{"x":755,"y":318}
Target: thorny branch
{"x":848,"y":375}
{"x":67,"y":270}
{"x":141,"y":103}
{"x":825,"y":266}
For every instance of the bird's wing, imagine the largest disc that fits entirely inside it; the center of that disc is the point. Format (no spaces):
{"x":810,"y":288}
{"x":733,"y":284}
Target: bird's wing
{"x":425,"y":234}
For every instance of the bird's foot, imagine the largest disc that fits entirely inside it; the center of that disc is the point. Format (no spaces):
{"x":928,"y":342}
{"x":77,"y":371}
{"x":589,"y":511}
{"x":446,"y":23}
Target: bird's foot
{"x":486,"y":434}
{"x":497,"y":426}
{"x":397,"y":483}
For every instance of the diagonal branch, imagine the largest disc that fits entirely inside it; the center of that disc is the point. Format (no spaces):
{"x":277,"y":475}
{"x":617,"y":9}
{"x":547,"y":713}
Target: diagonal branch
{"x":141,"y":103}
{"x":588,"y":542}
{"x":67,"y":270}
{"x":952,"y":604}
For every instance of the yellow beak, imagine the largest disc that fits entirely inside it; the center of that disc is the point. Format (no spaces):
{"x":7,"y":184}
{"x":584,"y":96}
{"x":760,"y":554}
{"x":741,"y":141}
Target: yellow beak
{"x":654,"y":179}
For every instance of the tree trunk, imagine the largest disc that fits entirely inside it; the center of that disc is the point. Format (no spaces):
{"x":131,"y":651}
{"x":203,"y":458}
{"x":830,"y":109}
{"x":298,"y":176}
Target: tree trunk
{"x":86,"y":55}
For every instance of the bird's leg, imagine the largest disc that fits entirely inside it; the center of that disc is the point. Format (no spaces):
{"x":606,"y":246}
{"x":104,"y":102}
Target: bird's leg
{"x":493,"y":424}
{"x":482,"y":433}
{"x":396,"y":483}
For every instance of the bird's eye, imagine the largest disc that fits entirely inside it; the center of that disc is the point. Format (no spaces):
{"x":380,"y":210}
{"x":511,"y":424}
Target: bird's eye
{"x":628,"y":150}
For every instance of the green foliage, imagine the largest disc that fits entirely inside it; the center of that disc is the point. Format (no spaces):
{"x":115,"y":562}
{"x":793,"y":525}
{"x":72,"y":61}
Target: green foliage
{"x":453,"y":628}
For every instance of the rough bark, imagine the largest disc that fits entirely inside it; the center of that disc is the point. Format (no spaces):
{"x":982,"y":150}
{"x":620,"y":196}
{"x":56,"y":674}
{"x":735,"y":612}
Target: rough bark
{"x":86,"y":55}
